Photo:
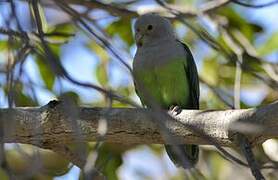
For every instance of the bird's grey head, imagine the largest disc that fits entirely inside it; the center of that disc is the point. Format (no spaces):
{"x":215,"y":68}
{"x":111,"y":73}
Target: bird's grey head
{"x":151,"y":29}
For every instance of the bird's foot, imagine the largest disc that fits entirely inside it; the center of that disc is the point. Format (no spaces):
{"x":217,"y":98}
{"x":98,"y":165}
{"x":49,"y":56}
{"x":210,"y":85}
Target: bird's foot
{"x":175,"y":110}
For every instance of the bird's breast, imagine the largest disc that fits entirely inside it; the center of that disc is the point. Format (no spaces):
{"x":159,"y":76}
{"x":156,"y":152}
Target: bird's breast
{"x":159,"y":55}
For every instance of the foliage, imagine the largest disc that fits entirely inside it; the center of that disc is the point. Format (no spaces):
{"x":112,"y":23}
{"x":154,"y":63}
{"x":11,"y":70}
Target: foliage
{"x":41,"y":71}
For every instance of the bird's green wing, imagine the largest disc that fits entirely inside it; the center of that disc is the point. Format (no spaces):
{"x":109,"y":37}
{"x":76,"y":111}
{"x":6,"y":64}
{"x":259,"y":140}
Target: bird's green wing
{"x":192,"y":77}
{"x":190,"y":151}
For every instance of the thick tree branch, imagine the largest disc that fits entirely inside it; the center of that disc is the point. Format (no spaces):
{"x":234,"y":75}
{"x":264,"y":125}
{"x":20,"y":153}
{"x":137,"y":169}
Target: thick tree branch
{"x":52,"y":124}
{"x":124,"y":12}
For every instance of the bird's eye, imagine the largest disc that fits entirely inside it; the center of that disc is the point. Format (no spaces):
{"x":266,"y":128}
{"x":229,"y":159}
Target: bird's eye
{"x":150,"y":27}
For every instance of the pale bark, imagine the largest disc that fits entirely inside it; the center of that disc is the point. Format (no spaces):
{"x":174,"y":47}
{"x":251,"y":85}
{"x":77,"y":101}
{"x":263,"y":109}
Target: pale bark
{"x":57,"y":123}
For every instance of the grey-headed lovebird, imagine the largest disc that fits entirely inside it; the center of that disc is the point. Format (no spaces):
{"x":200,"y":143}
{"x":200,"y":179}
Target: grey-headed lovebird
{"x":165,"y":74}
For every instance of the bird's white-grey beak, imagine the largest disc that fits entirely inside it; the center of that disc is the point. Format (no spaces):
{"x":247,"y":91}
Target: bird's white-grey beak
{"x":139,"y":39}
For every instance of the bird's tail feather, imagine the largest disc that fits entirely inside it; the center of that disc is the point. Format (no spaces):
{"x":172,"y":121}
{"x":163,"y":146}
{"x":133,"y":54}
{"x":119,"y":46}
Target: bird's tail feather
{"x":184,"y":155}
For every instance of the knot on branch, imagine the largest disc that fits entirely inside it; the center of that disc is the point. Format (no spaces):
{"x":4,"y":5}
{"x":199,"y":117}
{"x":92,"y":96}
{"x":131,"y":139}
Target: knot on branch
{"x":53,"y":103}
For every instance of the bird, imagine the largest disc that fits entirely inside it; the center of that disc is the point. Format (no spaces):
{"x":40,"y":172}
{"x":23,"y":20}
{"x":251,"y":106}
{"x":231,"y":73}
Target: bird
{"x":165,"y":74}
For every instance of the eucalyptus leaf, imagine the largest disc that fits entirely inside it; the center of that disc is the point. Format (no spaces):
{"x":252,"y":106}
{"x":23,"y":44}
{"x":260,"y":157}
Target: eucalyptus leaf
{"x":270,"y":46}
{"x":46,"y":73}
{"x":122,"y":28}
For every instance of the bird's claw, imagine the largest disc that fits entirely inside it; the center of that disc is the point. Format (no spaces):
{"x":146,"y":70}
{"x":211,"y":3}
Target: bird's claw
{"x":175,"y":110}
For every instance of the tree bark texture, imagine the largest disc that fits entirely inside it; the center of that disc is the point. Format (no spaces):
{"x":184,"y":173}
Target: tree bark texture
{"x":62,"y":123}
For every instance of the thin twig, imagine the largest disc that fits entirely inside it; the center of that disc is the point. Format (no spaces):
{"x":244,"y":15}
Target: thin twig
{"x":271,"y":3}
{"x":245,"y":147}
{"x":220,"y":94}
{"x":238,"y":51}
{"x":104,"y":43}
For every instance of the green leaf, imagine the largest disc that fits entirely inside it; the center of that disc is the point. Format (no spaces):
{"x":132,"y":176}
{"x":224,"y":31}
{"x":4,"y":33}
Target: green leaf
{"x":3,"y":45}
{"x":157,"y":149}
{"x":125,"y":90}
{"x":3,"y":175}
{"x":102,"y":67}
{"x":63,"y":28}
{"x":270,"y":46}
{"x":99,"y":51}
{"x":20,"y":99}
{"x":122,"y":27}
{"x":109,"y":159}
{"x":209,"y":70}
{"x":102,"y":74}
{"x":46,"y":73}
{"x":24,"y":100}
{"x":60,"y":33}
{"x":41,"y":16}
{"x":69,"y":96}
